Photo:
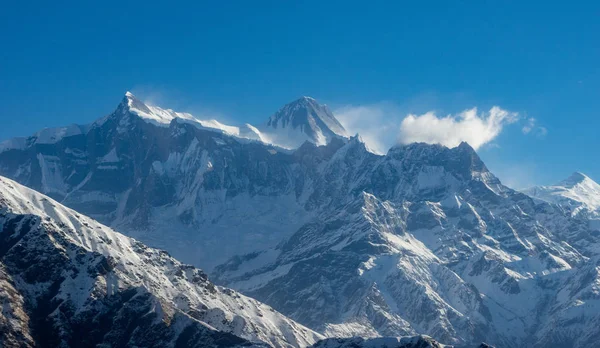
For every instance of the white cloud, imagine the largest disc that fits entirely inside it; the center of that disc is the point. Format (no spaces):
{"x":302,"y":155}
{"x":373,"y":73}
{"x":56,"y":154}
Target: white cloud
{"x":476,"y":129}
{"x":542,"y":131}
{"x":382,"y":125}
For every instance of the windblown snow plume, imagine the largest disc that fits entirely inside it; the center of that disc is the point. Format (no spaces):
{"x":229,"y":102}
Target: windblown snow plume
{"x":377,"y":124}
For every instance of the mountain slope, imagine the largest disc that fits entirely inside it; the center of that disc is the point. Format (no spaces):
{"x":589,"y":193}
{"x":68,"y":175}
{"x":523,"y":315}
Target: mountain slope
{"x":578,"y":194}
{"x":63,"y":274}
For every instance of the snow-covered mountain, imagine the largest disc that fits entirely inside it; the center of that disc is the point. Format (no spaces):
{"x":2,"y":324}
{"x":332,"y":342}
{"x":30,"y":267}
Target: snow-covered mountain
{"x":422,"y":240}
{"x":66,"y":280}
{"x":578,"y":194}
{"x":303,"y":120}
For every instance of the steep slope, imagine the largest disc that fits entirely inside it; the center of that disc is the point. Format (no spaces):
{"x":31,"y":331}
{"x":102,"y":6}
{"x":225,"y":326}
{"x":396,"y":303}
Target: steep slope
{"x":68,"y":280}
{"x":303,"y":120}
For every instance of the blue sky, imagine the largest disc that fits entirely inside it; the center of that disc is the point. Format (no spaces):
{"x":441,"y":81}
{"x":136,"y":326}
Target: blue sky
{"x":72,"y":62}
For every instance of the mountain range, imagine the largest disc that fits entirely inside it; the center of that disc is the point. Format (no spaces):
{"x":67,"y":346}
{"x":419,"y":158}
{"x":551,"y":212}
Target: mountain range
{"x":300,"y":216}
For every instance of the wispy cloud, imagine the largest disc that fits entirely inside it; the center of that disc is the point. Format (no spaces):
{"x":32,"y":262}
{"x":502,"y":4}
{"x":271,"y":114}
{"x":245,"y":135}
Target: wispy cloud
{"x":528,"y":127}
{"x":531,"y":127}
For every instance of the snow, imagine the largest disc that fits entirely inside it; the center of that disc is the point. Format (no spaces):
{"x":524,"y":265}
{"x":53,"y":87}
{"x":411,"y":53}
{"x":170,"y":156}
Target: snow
{"x":45,"y":136}
{"x":300,"y":121}
{"x":264,"y":220}
{"x":164,"y":117}
{"x":577,"y":193}
{"x":13,"y":144}
{"x":53,"y":135}
{"x":52,"y":177}
{"x":231,"y":130}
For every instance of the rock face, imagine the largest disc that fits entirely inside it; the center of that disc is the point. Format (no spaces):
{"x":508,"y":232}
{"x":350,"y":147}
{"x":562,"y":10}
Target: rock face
{"x":423,"y":240}
{"x":66,"y":280}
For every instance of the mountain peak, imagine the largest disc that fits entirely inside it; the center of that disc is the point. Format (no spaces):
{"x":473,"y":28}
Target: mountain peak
{"x":578,"y":190}
{"x":574,"y":179}
{"x":133,"y":104}
{"x":304,"y":119}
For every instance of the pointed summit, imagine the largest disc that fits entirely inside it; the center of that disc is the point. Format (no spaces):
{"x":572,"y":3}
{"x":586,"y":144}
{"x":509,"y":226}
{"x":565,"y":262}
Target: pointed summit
{"x":304,"y":120}
{"x":575,"y":179}
{"x":131,"y":103}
